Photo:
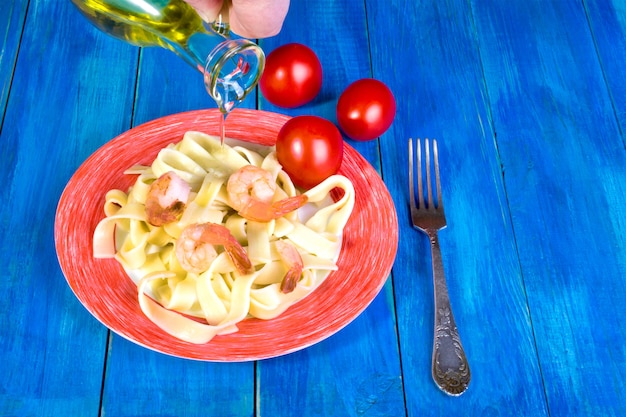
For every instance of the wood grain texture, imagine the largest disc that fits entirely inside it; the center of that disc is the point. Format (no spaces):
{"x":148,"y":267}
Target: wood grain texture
{"x":433,"y":66}
{"x":527,"y":100}
{"x":563,"y":160}
{"x":352,"y":373}
{"x":339,"y":37}
{"x":141,"y":382}
{"x":355,"y":372}
{"x":12,"y":15}
{"x":607,"y":20}
{"x":49,"y":129}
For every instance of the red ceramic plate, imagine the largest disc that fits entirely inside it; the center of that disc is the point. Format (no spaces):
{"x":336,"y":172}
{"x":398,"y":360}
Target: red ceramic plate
{"x":108,"y":293}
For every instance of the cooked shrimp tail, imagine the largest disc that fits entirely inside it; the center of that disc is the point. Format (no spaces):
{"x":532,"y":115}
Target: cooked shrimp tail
{"x":217,"y":234}
{"x":166,"y":199}
{"x":195,"y":248}
{"x":291,"y":257}
{"x":263,"y":212}
{"x":251,"y":190}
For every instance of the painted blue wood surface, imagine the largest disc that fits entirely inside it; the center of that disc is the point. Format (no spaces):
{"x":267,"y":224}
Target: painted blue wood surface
{"x":433,"y":66}
{"x":561,"y":148}
{"x":607,"y":20}
{"x":52,"y":349}
{"x":527,"y":101}
{"x":12,"y":15}
{"x":341,"y":44}
{"x":357,"y":371}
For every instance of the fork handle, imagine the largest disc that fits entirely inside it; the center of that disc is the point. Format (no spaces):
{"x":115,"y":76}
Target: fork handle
{"x":451,"y":370}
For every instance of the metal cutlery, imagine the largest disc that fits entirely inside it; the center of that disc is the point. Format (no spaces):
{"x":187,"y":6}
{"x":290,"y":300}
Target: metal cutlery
{"x":450,"y":367}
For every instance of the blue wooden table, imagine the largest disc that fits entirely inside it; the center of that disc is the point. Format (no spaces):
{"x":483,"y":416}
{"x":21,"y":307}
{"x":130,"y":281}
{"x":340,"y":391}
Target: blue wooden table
{"x":528,"y":101}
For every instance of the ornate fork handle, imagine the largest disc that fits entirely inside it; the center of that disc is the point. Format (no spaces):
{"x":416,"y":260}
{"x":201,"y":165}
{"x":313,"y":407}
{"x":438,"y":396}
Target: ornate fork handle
{"x":451,"y":370}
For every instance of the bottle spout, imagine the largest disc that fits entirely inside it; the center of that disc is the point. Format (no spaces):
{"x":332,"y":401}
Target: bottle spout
{"x":233,"y":70}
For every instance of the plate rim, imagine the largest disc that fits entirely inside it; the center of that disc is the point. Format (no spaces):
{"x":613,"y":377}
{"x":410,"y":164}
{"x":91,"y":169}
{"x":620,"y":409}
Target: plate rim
{"x":266,"y":124}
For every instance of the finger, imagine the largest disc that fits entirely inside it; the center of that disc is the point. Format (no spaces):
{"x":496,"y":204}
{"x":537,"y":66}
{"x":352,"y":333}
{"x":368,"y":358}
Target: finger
{"x":257,"y":18}
{"x":207,"y":9}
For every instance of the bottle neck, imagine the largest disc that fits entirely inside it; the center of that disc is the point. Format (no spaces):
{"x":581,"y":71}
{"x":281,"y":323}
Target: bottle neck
{"x":198,"y":47}
{"x":231,"y":67}
{"x":232,"y":70}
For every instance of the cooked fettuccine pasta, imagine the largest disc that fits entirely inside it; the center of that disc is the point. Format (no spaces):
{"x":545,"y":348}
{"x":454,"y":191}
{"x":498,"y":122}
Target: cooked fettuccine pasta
{"x":220,"y":233}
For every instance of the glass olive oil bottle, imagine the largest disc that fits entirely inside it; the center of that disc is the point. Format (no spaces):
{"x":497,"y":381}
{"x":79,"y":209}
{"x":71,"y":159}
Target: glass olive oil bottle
{"x":231,"y":67}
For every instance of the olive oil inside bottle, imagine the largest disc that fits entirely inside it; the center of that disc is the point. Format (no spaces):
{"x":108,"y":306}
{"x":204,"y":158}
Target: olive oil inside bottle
{"x":156,"y":23}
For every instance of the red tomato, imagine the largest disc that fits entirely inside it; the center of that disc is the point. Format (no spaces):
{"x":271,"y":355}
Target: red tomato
{"x":292,"y":76}
{"x":365,"y":109}
{"x":310,"y":149}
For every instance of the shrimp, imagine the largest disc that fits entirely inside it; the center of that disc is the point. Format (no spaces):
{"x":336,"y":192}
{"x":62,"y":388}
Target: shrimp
{"x":291,"y":257}
{"x":195,"y":248}
{"x":251,"y":190}
{"x":166,"y":199}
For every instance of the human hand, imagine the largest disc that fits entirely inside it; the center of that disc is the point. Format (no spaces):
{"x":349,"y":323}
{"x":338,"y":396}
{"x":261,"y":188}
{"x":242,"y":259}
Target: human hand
{"x":247,"y":18}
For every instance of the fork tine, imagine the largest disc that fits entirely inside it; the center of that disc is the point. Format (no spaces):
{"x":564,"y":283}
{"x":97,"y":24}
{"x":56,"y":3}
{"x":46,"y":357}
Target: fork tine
{"x":424,"y":199}
{"x":450,"y":368}
{"x":411,"y":183}
{"x":429,"y":186}
{"x":420,"y":185}
{"x":437,"y":180}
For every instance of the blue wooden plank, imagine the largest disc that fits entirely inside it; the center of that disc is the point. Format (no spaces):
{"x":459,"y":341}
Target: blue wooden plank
{"x":163,"y":385}
{"x":167,"y":85}
{"x":64,"y":81}
{"x":140,"y":382}
{"x":342,"y":47}
{"x":355,"y":372}
{"x":607,"y":20}
{"x":563,"y":159}
{"x":12,"y":16}
{"x":431,"y":61}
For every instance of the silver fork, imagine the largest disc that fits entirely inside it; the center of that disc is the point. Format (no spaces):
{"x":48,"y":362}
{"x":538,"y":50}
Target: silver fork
{"x":450,"y":368}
